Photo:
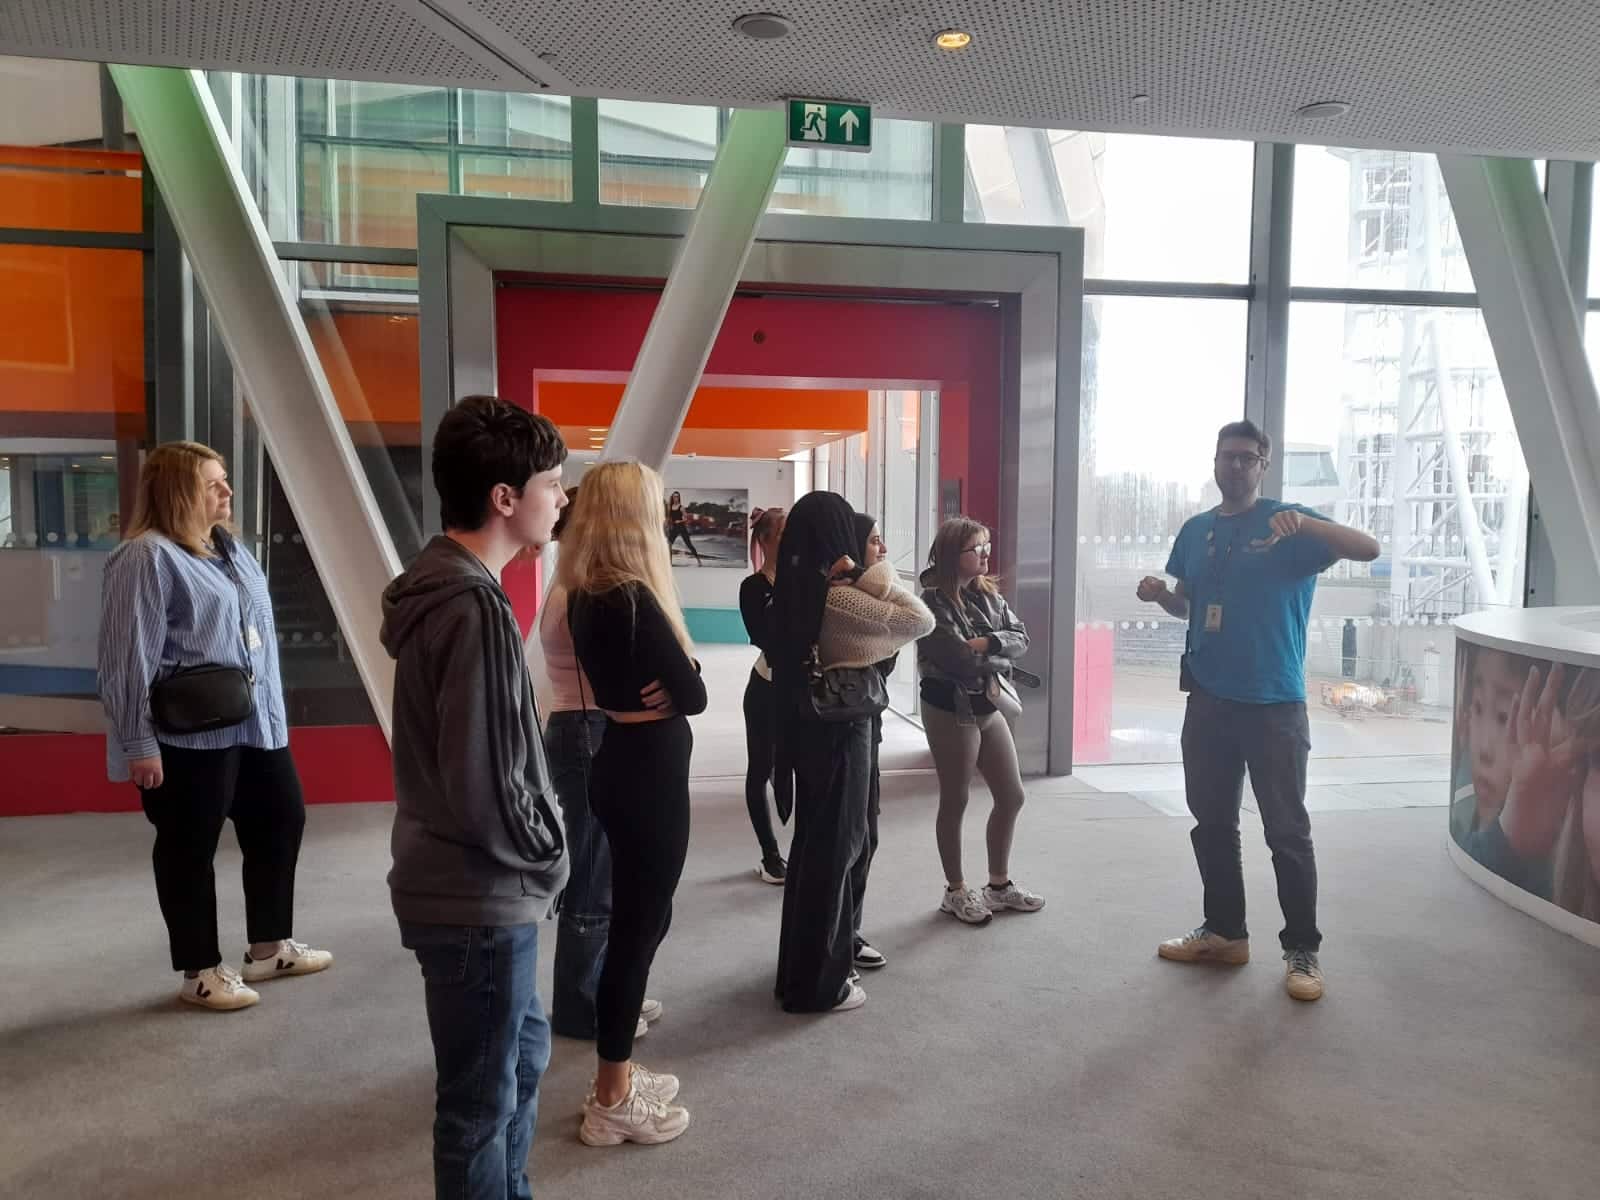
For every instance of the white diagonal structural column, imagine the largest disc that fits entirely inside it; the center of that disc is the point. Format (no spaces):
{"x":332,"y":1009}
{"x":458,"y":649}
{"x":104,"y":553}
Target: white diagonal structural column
{"x":699,"y":289}
{"x":1538,"y":345}
{"x":187,"y":147}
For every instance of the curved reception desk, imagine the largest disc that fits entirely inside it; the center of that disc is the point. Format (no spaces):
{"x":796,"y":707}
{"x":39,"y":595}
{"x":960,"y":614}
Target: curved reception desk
{"x":1525,"y":762}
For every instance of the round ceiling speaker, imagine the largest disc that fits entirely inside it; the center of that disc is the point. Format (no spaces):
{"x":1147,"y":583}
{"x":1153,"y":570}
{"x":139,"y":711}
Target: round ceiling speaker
{"x":764,"y":27}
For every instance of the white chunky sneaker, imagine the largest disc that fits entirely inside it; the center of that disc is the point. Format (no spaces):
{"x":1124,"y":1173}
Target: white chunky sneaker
{"x":1012,"y":896}
{"x":853,"y":999}
{"x":218,"y":987}
{"x":651,"y":1010}
{"x":964,"y":904}
{"x":657,"y":1086}
{"x":637,"y":1117}
{"x":293,"y":958}
{"x":642,"y":1028}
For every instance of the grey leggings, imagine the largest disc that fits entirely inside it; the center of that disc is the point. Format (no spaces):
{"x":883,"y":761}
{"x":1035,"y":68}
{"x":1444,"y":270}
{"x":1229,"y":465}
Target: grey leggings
{"x":957,"y":749}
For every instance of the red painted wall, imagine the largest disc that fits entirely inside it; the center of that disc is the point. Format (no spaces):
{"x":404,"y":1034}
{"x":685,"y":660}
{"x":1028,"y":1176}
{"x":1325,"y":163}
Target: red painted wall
{"x":66,"y":772}
{"x":957,"y":346}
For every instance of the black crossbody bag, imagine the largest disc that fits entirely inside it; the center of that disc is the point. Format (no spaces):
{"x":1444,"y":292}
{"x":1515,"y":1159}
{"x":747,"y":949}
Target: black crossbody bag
{"x":210,"y":696}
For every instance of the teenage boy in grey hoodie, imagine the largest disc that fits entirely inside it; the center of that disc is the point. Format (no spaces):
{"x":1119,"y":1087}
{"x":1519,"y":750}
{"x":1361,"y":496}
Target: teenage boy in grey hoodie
{"x":479,"y":852}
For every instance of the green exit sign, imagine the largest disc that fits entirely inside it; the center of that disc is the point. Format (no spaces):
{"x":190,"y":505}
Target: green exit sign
{"x":830,"y":124}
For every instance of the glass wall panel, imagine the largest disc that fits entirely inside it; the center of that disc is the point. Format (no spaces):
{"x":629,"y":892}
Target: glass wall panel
{"x":342,"y":162}
{"x":892,"y":182}
{"x":1148,"y":425}
{"x":655,"y":155}
{"x":366,"y":195}
{"x":367,"y":340}
{"x":1405,"y":405}
{"x":1374,"y":219}
{"x":1150,"y":207}
{"x":72,"y":414}
{"x":389,"y":112}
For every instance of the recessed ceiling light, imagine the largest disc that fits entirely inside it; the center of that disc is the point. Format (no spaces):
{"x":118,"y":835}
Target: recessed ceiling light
{"x":1322,"y":110}
{"x":1141,"y":98}
{"x":764,"y":27}
{"x":952,"y":39}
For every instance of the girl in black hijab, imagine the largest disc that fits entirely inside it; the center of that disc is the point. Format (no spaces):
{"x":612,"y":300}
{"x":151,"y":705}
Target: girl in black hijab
{"x":822,"y":598}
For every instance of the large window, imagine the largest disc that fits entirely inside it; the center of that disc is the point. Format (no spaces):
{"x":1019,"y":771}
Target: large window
{"x":364,"y":151}
{"x":1374,"y":219}
{"x":1405,"y":404}
{"x":655,"y":155}
{"x":1151,"y":208}
{"x":894,"y":181}
{"x":1147,"y":426}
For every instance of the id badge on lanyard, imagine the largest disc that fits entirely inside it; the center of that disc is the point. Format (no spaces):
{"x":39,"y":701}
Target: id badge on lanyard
{"x":1218,"y":571}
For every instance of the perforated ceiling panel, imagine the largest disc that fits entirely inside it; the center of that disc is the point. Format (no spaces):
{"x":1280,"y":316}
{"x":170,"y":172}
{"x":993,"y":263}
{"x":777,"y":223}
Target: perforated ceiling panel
{"x":1509,"y":76}
{"x":1515,"y":77}
{"x":366,"y":39}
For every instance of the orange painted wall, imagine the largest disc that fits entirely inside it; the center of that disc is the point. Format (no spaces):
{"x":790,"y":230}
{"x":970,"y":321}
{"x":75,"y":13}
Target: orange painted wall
{"x":373,"y":365}
{"x":715,"y":407}
{"x":72,"y":338}
{"x":43,"y":188}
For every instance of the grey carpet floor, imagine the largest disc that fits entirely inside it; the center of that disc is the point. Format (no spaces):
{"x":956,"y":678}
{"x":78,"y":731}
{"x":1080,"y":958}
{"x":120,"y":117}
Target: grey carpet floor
{"x":1457,"y":1053}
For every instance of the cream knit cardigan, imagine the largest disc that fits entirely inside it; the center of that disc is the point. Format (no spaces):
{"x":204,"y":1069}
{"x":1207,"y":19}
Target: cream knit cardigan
{"x":867,"y":623}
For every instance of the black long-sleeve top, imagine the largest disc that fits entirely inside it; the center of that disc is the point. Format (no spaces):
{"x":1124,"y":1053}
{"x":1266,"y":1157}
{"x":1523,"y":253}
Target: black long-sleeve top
{"x":755,"y":606}
{"x":624,"y":643}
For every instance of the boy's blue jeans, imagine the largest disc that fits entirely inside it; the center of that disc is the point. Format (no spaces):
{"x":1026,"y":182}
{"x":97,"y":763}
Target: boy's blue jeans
{"x":491,"y":1045}
{"x":585,"y":921}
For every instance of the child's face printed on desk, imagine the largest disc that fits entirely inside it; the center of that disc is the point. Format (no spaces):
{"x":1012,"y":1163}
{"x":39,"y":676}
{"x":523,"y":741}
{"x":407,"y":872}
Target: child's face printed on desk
{"x":1496,"y":679}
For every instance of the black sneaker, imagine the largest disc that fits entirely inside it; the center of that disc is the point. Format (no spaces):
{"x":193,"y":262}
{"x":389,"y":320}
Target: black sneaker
{"x":772,"y":869}
{"x":868,"y":957}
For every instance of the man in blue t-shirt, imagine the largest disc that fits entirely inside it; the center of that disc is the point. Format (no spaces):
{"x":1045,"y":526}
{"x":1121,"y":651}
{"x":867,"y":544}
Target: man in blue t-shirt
{"x":1246,"y":573}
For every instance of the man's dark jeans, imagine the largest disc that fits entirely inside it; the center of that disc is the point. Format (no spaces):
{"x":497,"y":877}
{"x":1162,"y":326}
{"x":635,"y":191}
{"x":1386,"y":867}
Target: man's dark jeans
{"x":585,"y":922}
{"x":491,"y":1045}
{"x":1221,"y":740}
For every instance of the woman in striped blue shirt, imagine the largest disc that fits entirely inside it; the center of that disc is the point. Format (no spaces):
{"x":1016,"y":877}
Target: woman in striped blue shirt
{"x":182,"y":592}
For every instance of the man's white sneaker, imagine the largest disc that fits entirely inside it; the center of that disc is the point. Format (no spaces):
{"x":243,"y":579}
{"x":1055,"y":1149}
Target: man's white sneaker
{"x":637,"y":1117}
{"x":292,"y":958}
{"x":1201,"y":945}
{"x":1017,"y":899}
{"x":964,"y":904}
{"x":642,"y":1028}
{"x":651,"y":1010}
{"x":218,"y":987}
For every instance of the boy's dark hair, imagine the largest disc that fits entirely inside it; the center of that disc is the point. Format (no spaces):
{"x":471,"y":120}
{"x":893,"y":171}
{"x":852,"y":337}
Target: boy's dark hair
{"x":1246,"y":429}
{"x":484,"y":441}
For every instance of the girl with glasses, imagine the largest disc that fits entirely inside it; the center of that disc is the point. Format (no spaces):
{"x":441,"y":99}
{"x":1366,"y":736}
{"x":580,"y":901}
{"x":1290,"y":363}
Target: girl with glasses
{"x":966,"y":669}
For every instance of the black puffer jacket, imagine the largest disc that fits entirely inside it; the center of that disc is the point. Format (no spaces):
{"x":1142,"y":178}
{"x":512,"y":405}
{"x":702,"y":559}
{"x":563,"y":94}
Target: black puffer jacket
{"x":953,"y":673}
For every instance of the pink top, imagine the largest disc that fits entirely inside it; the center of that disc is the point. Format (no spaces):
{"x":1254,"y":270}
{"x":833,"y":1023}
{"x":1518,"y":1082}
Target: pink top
{"x":560,"y":660}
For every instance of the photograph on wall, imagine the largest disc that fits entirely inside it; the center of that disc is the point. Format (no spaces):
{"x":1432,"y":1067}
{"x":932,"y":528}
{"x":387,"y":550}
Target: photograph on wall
{"x":1525,"y":774}
{"x":708,"y":527}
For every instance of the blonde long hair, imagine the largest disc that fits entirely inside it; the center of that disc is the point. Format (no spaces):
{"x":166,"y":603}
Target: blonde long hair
{"x":172,"y":496}
{"x":615,"y":538}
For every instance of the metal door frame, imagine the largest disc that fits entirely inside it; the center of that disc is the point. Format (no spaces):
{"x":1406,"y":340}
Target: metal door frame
{"x":1034,"y":273}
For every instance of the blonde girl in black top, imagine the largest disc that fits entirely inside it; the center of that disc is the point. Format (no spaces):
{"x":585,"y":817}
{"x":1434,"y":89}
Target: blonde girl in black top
{"x":628,"y":633}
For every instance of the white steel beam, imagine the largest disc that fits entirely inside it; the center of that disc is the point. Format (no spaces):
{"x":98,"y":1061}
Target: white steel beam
{"x":1538,"y":344}
{"x":189,"y":152}
{"x":699,"y":289}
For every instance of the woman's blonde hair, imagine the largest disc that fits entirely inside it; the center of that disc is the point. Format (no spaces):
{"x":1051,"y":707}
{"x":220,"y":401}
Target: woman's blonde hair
{"x":615,"y":538}
{"x":172,"y":496}
{"x":944,"y":560}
